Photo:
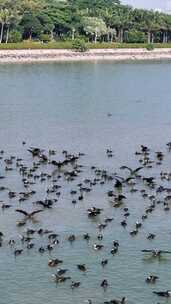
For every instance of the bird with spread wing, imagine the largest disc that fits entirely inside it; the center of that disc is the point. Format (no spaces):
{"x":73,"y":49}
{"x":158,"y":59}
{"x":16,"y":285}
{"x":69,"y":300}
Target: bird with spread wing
{"x":133,"y":172}
{"x":27,"y":214}
{"x":156,"y":252}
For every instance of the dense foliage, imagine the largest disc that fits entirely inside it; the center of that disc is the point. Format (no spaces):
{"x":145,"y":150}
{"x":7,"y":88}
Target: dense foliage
{"x":88,"y":20}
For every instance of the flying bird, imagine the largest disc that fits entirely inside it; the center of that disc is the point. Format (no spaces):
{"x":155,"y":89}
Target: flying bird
{"x":132,"y":171}
{"x":27,"y":214}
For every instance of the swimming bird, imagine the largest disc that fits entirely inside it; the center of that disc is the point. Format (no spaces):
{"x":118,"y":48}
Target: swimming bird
{"x":124,"y":223}
{"x":118,"y":184}
{"x":98,"y":246}
{"x":71,"y":238}
{"x":115,"y":301}
{"x":165,"y":294}
{"x":114,"y":250}
{"x":50,"y":247}
{"x":54,"y":262}
{"x":5,"y":206}
{"x":35,"y":151}
{"x":151,"y":236}
{"x":144,"y":148}
{"x":104,"y":284}
{"x":75,"y":284}
{"x":18,"y":251}
{"x":138,"y":225}
{"x":116,"y":243}
{"x":149,"y":180}
{"x":30,"y":245}
{"x":104,"y":262}
{"x":60,"y":279}
{"x":108,"y":219}
{"x":86,"y":236}
{"x":21,"y":223}
{"x":82,"y":267}
{"x":156,"y":252}
{"x":45,"y":204}
{"x":134,"y":232}
{"x":53,"y":236}
{"x":151,"y":279}
{"x":119,"y":198}
{"x":61,"y":271}
{"x":41,"y":249}
{"x":93,"y":211}
{"x":100,"y":236}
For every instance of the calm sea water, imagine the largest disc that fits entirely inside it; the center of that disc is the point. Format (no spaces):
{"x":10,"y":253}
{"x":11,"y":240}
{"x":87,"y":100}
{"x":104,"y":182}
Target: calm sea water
{"x":66,"y":106}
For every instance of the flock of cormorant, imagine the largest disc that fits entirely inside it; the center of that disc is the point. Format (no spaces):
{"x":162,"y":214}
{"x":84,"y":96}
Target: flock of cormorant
{"x":45,"y":166}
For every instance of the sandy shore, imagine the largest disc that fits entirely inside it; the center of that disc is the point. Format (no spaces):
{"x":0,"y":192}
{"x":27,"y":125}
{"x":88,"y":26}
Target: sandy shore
{"x":29,"y":56}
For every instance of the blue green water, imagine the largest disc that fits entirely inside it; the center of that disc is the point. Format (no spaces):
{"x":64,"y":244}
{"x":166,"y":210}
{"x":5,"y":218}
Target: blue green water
{"x":66,"y":106}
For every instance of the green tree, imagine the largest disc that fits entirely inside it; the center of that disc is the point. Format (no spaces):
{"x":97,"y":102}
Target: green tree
{"x":107,"y":20}
{"x":94,"y":27}
{"x":122,"y":20}
{"x":135,"y":36}
{"x":31,"y":26}
{"x":5,"y":19}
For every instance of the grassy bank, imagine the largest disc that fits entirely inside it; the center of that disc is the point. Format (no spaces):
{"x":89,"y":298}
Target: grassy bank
{"x":126,"y":45}
{"x":35,"y":45}
{"x":68,"y":45}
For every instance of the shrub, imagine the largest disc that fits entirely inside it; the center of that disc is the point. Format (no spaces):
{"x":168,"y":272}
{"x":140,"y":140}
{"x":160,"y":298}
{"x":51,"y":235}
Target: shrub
{"x":79,"y":45}
{"x":150,"y":47}
{"x":15,"y":36}
{"x":136,"y":37}
{"x":45,"y":38}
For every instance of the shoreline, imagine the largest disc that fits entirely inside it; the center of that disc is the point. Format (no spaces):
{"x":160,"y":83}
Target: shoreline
{"x":63,"y":55}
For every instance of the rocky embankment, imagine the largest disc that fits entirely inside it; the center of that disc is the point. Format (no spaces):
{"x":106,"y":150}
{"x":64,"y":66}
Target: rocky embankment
{"x":45,"y":55}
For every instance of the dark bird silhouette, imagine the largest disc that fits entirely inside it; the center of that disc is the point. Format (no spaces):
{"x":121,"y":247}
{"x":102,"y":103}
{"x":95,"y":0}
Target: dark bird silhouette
{"x":98,"y":246}
{"x":132,"y":171}
{"x":75,"y":285}
{"x":54,"y":262}
{"x":82,"y":267}
{"x":6,"y":206}
{"x":123,"y":180}
{"x":104,"y":262}
{"x":71,"y":238}
{"x":60,"y":279}
{"x":144,"y":149}
{"x":115,"y":301}
{"x":104,"y":284}
{"x":149,"y":180}
{"x":151,"y":236}
{"x":151,"y":279}
{"x":155,"y":252}
{"x":118,"y":183}
{"x":165,"y":294}
{"x":86,"y":236}
{"x":61,"y":271}
{"x":45,"y":204}
{"x":35,"y":151}
{"x":18,"y":252}
{"x":27,"y":214}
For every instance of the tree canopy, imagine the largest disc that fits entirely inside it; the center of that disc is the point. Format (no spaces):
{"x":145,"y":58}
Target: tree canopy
{"x":91,"y":20}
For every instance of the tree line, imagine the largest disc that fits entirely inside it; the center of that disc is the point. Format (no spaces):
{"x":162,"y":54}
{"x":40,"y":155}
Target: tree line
{"x":91,"y":20}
